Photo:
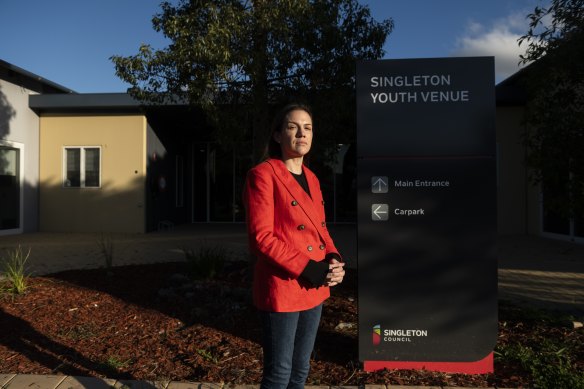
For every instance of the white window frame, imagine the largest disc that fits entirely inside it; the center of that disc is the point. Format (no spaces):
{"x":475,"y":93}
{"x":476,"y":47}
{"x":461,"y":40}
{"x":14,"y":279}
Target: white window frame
{"x":20,"y":147}
{"x":81,"y":167}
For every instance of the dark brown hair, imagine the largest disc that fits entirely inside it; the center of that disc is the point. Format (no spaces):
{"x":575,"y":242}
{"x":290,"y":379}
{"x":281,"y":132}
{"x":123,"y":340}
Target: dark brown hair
{"x":273,"y":148}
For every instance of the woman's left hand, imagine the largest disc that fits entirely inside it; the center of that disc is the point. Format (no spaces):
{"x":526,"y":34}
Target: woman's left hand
{"x":336,"y":273}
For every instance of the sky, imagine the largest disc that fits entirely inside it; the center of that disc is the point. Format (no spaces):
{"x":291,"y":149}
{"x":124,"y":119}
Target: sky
{"x":69,"y":42}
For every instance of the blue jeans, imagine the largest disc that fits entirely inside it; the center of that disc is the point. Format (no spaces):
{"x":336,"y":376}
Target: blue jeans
{"x":288,"y":340}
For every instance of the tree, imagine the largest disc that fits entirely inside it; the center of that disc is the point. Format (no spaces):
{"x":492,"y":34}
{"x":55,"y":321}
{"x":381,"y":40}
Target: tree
{"x":246,"y":55}
{"x":555,"y":110}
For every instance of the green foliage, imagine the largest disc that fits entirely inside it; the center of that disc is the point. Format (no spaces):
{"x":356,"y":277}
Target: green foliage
{"x":206,"y":262}
{"x":555,"y":110}
{"x":549,"y":365}
{"x":114,"y":363}
{"x":239,"y":56}
{"x":548,"y":361}
{"x":207,"y":356}
{"x":14,"y":271}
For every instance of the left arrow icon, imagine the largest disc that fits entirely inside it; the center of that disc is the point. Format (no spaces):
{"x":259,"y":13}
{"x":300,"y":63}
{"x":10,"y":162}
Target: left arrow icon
{"x":379,"y":212}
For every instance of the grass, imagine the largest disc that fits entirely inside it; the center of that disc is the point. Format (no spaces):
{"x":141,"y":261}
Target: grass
{"x":14,"y":270}
{"x":79,"y":332}
{"x":114,"y":363}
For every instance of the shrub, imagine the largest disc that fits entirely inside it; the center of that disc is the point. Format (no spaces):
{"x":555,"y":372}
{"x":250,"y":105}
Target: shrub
{"x":548,"y":361}
{"x":13,"y":269}
{"x":206,"y":262}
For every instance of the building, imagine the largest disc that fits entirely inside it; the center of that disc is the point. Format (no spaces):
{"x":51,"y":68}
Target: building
{"x":19,"y":148}
{"x":106,"y":163}
{"x":522,"y":206}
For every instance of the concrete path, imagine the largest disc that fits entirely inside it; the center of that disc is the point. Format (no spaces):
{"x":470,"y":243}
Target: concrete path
{"x":11,"y":381}
{"x":538,"y":271}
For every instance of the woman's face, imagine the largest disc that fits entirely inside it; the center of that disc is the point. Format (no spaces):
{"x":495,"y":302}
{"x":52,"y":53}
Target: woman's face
{"x":295,"y":139}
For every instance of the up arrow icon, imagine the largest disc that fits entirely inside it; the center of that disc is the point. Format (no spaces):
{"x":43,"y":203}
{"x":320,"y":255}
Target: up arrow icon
{"x":379,"y":184}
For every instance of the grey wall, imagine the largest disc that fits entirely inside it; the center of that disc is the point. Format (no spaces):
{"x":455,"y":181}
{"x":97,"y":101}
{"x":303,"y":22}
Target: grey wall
{"x":19,"y":124}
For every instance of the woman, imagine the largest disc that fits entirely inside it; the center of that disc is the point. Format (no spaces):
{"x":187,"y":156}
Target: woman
{"x":297,"y":260}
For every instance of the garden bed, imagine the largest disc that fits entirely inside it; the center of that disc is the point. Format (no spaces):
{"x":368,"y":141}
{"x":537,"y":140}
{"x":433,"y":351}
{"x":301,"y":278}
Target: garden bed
{"x":153,"y":322}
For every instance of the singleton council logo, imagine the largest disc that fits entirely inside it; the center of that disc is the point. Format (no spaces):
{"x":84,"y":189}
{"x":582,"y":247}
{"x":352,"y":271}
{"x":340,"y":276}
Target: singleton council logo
{"x":376,"y":335}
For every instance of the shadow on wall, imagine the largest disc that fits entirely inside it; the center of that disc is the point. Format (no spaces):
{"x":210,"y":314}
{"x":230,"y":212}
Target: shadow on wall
{"x":9,"y":192}
{"x":112,"y":207}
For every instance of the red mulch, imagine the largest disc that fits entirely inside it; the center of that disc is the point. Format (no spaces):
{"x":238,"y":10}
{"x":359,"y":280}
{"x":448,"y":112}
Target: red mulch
{"x":150,"y":322}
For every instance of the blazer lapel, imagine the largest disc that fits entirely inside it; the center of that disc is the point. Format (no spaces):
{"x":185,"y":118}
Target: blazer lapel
{"x":304,"y":200}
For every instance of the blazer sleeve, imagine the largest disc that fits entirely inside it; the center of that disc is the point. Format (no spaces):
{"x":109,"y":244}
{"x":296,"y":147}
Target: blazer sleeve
{"x":258,"y":198}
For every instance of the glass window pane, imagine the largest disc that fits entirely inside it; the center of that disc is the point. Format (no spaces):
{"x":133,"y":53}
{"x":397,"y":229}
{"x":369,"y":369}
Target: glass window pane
{"x":579,"y":207}
{"x":180,"y":167}
{"x":221,"y":183}
{"x":9,"y":188}
{"x":579,"y":227}
{"x":92,"y":167}
{"x":8,"y":161}
{"x":73,"y":173}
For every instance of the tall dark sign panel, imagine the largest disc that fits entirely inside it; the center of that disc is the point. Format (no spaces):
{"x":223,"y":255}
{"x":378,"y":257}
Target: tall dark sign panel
{"x":427,"y":213}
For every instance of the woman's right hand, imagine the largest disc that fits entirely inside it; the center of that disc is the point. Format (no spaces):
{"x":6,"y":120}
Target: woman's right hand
{"x":335,"y":274}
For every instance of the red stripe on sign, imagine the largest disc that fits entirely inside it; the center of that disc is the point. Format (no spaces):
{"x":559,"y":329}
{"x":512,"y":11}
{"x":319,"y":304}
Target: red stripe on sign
{"x":483,"y":366}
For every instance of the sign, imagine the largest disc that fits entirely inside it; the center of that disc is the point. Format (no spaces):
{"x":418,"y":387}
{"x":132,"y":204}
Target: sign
{"x":427,"y":213}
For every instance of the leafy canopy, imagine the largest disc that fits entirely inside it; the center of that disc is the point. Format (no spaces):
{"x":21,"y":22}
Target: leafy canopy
{"x":254,"y":53}
{"x":555,"y":111}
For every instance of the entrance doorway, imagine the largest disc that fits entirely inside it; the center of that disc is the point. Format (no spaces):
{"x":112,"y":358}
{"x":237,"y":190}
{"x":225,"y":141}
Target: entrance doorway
{"x":217,"y":182}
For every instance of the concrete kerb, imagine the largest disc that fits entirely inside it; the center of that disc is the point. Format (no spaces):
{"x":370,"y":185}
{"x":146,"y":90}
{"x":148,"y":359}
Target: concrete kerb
{"x":14,"y":381}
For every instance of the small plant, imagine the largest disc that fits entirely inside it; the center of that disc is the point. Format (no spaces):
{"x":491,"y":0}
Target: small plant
{"x":77,"y":333}
{"x":106,"y":247}
{"x":206,"y":262}
{"x":207,"y":355}
{"x":14,"y":270}
{"x":115,"y":363}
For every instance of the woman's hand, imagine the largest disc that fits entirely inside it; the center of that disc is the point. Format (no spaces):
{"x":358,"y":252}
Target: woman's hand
{"x":336,"y":273}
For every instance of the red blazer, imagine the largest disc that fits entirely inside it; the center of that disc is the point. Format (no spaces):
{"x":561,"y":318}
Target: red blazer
{"x":286,"y":228}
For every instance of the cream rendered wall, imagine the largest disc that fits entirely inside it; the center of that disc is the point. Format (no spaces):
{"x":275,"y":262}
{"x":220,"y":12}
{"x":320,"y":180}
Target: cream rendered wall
{"x":19,"y":124}
{"x":119,"y":204}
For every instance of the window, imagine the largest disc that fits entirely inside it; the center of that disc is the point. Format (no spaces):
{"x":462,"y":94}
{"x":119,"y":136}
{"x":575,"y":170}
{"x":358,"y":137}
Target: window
{"x":82,"y":167}
{"x":11,"y":193}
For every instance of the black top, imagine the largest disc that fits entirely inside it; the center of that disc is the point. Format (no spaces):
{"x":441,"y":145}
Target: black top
{"x":315,"y":271}
{"x":301,"y":178}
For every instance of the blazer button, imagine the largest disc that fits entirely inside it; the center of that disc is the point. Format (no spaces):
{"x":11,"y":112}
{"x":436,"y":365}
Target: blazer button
{"x":294,"y":203}
{"x":323,"y":224}
{"x":309,"y":248}
{"x":321,"y":247}
{"x":322,"y":202}
{"x":301,"y":227}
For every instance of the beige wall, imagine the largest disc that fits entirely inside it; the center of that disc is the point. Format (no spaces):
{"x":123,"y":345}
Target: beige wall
{"x":119,"y":204}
